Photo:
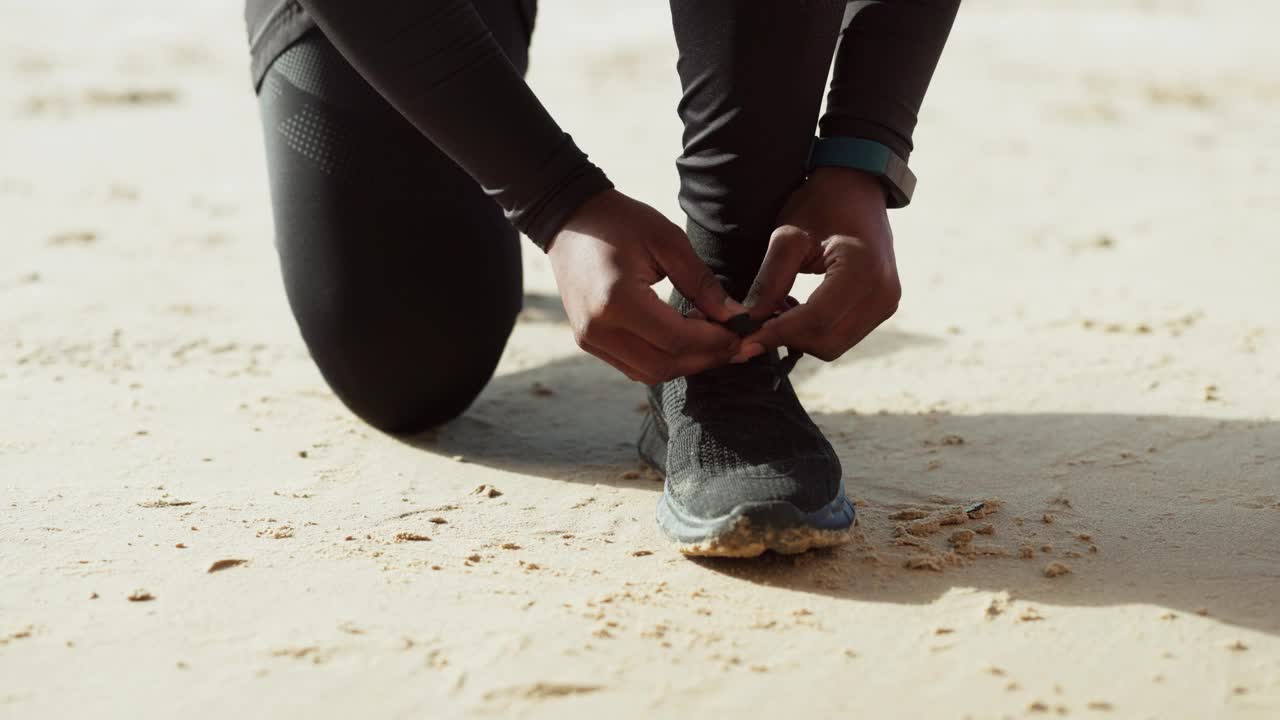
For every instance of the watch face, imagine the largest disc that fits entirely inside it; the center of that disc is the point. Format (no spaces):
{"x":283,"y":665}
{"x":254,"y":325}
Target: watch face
{"x":901,"y":179}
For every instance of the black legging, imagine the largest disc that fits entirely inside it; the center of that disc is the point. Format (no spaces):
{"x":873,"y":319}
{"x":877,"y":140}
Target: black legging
{"x":405,"y":278}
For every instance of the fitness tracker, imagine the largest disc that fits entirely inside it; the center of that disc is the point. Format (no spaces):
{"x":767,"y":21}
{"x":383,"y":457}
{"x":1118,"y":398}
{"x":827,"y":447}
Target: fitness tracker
{"x":869,"y":156}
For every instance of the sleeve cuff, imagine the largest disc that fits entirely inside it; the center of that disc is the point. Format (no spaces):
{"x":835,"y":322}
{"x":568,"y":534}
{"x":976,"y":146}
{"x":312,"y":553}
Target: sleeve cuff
{"x":567,"y":190}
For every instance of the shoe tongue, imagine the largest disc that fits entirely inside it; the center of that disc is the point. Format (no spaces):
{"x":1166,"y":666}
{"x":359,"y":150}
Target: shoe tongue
{"x":760,"y":380}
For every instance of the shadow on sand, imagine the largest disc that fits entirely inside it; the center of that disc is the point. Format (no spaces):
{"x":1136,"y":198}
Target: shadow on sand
{"x":1184,"y":511}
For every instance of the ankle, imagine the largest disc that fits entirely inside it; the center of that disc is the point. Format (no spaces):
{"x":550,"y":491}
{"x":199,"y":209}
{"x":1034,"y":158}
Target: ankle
{"x":734,"y":260}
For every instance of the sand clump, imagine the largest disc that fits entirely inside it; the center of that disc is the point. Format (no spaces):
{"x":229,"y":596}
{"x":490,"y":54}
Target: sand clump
{"x":164,"y":503}
{"x":924,"y":562}
{"x":1030,"y":614}
{"x":916,"y":525}
{"x":922,"y":523}
{"x":1056,"y":569}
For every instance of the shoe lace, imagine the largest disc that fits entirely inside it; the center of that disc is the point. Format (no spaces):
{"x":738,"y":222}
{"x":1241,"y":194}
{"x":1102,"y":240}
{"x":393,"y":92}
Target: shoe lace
{"x":780,"y":366}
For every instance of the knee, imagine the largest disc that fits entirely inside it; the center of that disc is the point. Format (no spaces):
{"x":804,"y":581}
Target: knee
{"x":401,"y":397}
{"x":396,"y":412}
{"x":409,"y":380}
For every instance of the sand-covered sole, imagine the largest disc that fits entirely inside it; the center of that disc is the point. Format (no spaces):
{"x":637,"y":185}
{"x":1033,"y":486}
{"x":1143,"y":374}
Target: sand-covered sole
{"x":745,"y":540}
{"x":750,"y":529}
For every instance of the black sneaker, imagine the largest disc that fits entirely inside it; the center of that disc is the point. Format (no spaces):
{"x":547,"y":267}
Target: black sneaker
{"x":746,"y":469}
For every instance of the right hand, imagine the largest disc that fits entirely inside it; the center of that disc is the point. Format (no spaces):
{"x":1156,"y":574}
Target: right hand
{"x":606,"y":258}
{"x":834,"y":225}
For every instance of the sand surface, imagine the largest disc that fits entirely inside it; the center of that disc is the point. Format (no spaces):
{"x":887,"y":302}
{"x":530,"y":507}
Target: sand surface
{"x":1089,"y":334}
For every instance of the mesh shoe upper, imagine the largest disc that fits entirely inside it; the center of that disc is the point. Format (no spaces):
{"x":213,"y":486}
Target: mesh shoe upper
{"x":732,"y":438}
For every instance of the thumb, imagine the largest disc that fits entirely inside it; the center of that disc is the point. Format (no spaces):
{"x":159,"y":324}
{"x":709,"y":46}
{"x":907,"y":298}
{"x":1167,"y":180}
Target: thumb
{"x":789,"y":251}
{"x":789,"y":329}
{"x":695,"y":281}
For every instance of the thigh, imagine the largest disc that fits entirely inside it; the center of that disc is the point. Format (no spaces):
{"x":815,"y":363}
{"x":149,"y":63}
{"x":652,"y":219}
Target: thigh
{"x":403,"y":276}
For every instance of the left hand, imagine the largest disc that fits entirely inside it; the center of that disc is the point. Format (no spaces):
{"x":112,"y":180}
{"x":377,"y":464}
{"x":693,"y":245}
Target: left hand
{"x":606,"y":258}
{"x":834,"y":224}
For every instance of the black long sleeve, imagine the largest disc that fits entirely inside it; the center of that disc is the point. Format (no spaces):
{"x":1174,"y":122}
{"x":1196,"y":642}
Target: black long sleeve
{"x":438,"y":64}
{"x":886,"y":58}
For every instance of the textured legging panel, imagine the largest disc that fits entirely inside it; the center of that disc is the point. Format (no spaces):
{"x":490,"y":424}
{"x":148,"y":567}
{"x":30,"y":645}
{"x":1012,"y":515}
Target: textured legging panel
{"x":403,"y":276}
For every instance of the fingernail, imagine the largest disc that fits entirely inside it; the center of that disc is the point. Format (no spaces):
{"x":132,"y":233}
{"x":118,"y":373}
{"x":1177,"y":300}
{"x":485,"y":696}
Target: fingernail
{"x":734,"y":306}
{"x":747,"y":352}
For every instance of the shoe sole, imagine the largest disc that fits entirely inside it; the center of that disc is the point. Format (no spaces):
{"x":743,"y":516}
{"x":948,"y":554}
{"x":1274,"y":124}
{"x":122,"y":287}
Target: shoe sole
{"x":750,"y":528}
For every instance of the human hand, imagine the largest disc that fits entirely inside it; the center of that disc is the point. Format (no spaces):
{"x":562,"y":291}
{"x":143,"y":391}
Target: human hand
{"x":835,"y":225}
{"x":606,"y":258}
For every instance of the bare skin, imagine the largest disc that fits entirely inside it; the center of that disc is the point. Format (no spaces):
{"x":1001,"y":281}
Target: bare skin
{"x":606,"y":259}
{"x":835,"y":225}
{"x":611,"y":252}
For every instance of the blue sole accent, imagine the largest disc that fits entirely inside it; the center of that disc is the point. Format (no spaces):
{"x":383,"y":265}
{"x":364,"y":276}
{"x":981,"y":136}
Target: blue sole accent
{"x":763,"y":517}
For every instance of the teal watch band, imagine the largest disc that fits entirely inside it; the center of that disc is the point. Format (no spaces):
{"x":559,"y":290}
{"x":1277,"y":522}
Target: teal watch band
{"x":868,"y":156}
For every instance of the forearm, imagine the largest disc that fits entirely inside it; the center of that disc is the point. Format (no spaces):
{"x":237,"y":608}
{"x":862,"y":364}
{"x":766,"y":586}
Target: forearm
{"x":886,"y":58}
{"x":438,"y":64}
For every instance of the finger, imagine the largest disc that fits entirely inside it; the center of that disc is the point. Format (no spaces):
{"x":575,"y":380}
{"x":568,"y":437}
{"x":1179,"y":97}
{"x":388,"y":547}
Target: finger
{"x":653,"y":361}
{"x":808,"y":327}
{"x":867,"y":314}
{"x":634,"y":352}
{"x":748,"y":351}
{"x":791,"y":329}
{"x":790,"y":249}
{"x":663,"y":326}
{"x":694,"y":280}
{"x":856,"y":327}
{"x":874,"y":304}
{"x":631,"y":372}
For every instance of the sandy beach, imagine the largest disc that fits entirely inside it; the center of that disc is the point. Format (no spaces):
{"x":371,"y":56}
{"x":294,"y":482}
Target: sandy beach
{"x":1086,"y":359}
